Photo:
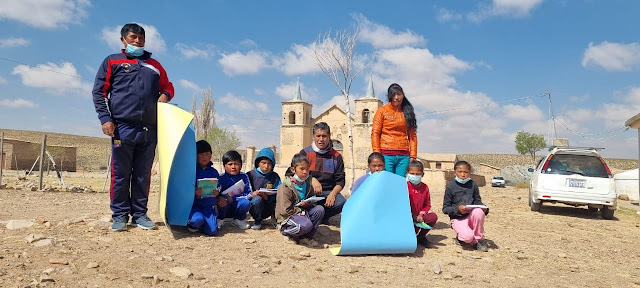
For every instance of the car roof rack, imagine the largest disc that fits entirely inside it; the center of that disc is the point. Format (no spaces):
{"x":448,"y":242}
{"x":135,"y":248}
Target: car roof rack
{"x":575,"y":148}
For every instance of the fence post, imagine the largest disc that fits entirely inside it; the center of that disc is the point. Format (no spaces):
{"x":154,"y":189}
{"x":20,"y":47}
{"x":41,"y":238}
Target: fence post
{"x":44,"y":147}
{"x":1,"y":156}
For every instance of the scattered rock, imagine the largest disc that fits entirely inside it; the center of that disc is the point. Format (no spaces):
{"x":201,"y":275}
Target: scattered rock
{"x":33,"y":238}
{"x":93,"y":265}
{"x":42,"y":243}
{"x":156,"y":280}
{"x":437,"y":269}
{"x":451,"y":263}
{"x":34,"y":188}
{"x":181,"y":272}
{"x":623,"y":197}
{"x":353,"y":268}
{"x":319,"y":268}
{"x":476,"y":256}
{"x":447,"y":276}
{"x":146,"y":276}
{"x":249,"y":241}
{"x":167,"y":258}
{"x":67,"y":271}
{"x":297,"y":257}
{"x":325,"y":246}
{"x":157,"y":258}
{"x":46,"y":278}
{"x":58,"y":261}
{"x":2,"y":272}
{"x":305,"y":253}
{"x":276,"y":261}
{"x":562,"y":255}
{"x":521,"y":257}
{"x":49,"y":270}
{"x":19,"y":224}
{"x":255,"y":265}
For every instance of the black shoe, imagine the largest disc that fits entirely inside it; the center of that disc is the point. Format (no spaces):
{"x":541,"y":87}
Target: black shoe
{"x":482,"y":246}
{"x":325,"y":222}
{"x":424,"y":242}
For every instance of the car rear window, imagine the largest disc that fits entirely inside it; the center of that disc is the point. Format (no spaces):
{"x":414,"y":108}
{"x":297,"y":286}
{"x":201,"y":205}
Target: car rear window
{"x":585,"y":165}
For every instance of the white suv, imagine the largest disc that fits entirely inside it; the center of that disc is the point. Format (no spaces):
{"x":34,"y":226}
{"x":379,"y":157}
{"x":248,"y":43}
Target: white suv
{"x":497,"y":181}
{"x":575,"y":176}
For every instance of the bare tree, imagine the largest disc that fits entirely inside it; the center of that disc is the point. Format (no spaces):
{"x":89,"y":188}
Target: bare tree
{"x":204,"y":118}
{"x":336,"y":57}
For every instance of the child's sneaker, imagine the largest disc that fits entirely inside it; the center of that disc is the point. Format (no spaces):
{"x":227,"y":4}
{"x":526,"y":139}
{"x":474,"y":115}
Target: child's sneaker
{"x":256,"y":226}
{"x":240,"y":224}
{"x":191,"y":229}
{"x":482,"y":246}
{"x":424,"y":242}
{"x":144,"y":222}
{"x":220,"y":223}
{"x":119,"y":223}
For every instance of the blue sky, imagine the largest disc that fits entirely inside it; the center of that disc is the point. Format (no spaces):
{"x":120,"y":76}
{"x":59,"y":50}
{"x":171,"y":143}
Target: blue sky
{"x":460,"y":63}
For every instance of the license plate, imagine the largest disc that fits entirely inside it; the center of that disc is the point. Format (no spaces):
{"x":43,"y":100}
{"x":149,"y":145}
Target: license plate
{"x":576,"y":183}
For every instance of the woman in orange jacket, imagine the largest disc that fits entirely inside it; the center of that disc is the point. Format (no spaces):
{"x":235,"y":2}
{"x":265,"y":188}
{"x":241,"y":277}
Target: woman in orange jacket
{"x":394,"y":132}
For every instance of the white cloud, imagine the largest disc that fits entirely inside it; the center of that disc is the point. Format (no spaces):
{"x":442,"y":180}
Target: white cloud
{"x":190,"y":85}
{"x":612,"y":56}
{"x":47,"y":14}
{"x":259,"y":91}
{"x":445,"y":15}
{"x":239,"y":64}
{"x":17,"y":103}
{"x":3,"y":81}
{"x":506,"y":8}
{"x":337,"y":100}
{"x":287,"y":91}
{"x":523,"y":113}
{"x":239,"y":103}
{"x":153,"y":40}
{"x":248,"y":43}
{"x":190,"y":52}
{"x":56,"y":79}
{"x":299,"y":60}
{"x":380,"y":36}
{"x":13,"y":42}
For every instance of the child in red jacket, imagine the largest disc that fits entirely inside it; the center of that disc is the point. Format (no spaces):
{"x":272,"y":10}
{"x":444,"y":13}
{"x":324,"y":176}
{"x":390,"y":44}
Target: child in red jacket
{"x":420,"y":202}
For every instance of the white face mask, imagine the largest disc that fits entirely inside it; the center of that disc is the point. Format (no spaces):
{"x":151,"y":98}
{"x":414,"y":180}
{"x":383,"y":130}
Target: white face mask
{"x":414,"y":179}
{"x":462,"y":181}
{"x":295,"y":176}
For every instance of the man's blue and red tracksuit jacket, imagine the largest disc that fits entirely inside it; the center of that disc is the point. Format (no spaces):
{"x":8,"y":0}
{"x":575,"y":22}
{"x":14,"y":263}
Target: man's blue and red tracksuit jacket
{"x":126,"y":92}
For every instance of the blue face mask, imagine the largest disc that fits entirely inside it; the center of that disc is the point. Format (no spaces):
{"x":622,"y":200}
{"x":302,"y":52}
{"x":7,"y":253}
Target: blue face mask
{"x":295,"y":176}
{"x":463,"y":181}
{"x":134,"y":50}
{"x":414,"y":179}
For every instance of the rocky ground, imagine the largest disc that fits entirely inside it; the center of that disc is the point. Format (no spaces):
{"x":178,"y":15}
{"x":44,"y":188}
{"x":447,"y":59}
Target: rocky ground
{"x":61,"y":239}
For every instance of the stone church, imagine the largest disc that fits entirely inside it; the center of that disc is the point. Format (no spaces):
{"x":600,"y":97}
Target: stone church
{"x":297,"y":125}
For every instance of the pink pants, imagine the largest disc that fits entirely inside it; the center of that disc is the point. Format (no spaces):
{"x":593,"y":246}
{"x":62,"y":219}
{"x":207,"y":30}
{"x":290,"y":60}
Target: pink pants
{"x":471,"y":228}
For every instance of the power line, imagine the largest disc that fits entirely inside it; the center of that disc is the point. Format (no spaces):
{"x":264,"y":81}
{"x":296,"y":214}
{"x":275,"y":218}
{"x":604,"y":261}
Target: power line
{"x":479,"y":105}
{"x":45,"y":69}
{"x":587,"y":135}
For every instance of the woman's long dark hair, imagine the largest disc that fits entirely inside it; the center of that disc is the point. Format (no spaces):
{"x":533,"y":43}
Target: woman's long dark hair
{"x":407,"y":108}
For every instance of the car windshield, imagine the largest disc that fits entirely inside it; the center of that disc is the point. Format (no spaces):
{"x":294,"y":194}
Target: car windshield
{"x":567,"y":164}
{"x":498,"y":178}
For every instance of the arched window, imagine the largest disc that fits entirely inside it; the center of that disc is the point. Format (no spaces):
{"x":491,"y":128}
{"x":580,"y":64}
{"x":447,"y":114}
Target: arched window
{"x":292,"y":117}
{"x":365,"y":116}
{"x":337,"y":145}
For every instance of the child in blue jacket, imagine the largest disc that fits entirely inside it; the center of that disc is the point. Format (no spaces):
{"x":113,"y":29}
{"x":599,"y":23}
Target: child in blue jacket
{"x":262,"y":204}
{"x":236,"y":205}
{"x":203,"y":216}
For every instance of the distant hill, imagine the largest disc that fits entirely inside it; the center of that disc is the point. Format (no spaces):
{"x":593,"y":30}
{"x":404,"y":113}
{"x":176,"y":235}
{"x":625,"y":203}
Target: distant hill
{"x":92,"y":153}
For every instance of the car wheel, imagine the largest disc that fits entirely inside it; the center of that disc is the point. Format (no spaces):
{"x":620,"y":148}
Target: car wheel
{"x":606,"y":212}
{"x":534,"y":206}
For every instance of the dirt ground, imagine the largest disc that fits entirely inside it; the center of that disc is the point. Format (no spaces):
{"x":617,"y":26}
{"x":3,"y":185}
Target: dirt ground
{"x":71,"y":246}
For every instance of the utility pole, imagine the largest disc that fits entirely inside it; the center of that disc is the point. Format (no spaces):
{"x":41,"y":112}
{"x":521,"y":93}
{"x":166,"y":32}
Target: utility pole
{"x":44,"y":147}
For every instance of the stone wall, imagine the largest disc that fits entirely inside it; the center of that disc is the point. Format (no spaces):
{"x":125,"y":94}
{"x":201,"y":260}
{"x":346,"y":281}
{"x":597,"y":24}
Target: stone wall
{"x":504,"y":160}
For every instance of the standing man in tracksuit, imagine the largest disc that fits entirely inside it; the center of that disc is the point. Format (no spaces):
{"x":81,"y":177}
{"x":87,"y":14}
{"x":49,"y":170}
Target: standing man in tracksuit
{"x":127,"y":88}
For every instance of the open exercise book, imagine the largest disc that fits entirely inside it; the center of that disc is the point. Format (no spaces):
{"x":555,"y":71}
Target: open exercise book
{"x":268,"y":191}
{"x":469,"y":207}
{"x":208,"y":185}
{"x":312,"y":199}
{"x":235,"y":189}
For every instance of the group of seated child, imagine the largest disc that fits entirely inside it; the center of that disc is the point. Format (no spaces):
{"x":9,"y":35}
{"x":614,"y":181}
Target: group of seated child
{"x":299,"y":220}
